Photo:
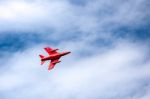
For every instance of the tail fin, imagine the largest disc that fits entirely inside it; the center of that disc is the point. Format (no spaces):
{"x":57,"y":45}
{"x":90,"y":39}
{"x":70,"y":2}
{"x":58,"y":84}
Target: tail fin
{"x":42,"y":62}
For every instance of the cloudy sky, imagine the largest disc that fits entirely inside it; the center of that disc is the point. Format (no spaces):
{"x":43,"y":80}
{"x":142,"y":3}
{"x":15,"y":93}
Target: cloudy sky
{"x":109,"y":41}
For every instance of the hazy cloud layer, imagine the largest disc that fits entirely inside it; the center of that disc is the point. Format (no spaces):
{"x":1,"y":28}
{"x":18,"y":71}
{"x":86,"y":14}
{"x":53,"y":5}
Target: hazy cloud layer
{"x":119,"y":72}
{"x":63,"y":16}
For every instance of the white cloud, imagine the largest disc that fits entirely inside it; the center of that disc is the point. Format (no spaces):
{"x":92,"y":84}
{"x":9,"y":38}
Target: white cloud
{"x":29,"y":16}
{"x":63,"y":17}
{"x":118,"y":72}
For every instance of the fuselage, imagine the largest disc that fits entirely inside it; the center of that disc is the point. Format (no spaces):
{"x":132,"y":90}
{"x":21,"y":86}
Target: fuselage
{"x":55,"y":56}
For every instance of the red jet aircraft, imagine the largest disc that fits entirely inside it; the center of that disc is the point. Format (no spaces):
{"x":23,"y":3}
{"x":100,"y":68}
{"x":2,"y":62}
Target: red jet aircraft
{"x":53,"y":56}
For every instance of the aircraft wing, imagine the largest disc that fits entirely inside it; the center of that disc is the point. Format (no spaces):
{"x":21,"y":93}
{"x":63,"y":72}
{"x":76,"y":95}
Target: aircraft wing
{"x":50,"y":50}
{"x":51,"y":66}
{"x":53,"y":63}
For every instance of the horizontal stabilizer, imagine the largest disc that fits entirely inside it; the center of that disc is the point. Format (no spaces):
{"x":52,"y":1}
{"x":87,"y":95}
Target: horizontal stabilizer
{"x":41,"y":56}
{"x":42,"y":62}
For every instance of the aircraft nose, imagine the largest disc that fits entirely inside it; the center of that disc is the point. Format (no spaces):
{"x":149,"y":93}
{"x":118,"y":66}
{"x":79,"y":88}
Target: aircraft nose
{"x":68,"y":52}
{"x":65,"y":53}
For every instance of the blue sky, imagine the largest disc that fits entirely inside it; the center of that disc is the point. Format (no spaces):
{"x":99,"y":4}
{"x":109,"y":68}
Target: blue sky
{"x":109,"y":41}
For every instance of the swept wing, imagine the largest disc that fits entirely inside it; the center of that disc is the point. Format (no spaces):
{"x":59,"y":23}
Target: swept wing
{"x":53,"y":63}
{"x":50,"y":51}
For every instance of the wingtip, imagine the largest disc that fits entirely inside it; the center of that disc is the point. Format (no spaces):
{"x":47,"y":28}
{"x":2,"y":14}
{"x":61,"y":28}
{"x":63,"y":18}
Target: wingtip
{"x":49,"y":69}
